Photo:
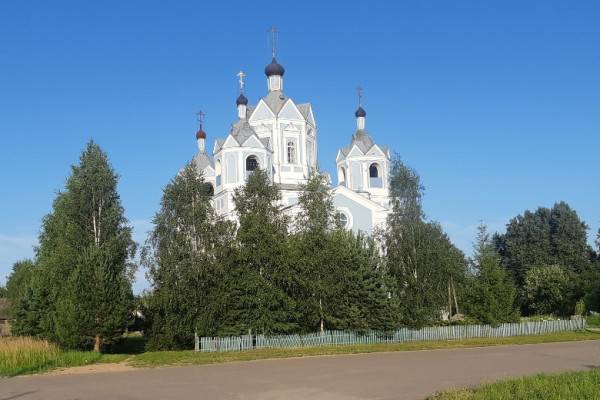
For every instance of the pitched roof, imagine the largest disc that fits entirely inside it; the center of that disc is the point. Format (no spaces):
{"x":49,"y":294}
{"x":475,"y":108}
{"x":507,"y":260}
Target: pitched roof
{"x":241,"y":131}
{"x":275,"y":100}
{"x":202,"y":160}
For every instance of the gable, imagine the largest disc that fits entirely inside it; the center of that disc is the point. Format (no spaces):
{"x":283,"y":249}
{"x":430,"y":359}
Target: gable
{"x":376,"y":151}
{"x":230,"y":142}
{"x":253,"y":141}
{"x":262,"y":111}
{"x":289,"y":111}
{"x":355,"y":151}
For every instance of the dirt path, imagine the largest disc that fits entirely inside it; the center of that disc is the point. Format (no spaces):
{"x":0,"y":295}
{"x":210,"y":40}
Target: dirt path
{"x":400,"y":375}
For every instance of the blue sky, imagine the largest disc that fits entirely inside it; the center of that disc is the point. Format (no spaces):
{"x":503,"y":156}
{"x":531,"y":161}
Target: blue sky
{"x":496,"y":104}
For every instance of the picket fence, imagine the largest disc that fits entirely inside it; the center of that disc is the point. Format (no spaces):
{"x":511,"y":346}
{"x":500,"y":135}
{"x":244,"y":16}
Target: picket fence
{"x":333,"y":338}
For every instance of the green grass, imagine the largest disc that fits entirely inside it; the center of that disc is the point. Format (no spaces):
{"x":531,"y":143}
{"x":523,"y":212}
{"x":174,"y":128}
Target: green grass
{"x":22,"y":355}
{"x":571,"y":385}
{"x":161,"y":358}
{"x":593,"y":321}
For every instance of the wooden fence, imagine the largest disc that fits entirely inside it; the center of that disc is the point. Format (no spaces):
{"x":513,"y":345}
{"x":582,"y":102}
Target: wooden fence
{"x":334,"y":338}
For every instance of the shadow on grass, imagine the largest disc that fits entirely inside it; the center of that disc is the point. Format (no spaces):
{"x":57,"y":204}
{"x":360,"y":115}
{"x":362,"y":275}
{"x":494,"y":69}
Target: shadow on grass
{"x":131,"y":345}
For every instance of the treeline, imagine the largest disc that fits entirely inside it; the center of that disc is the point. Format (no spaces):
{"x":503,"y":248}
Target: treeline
{"x":275,"y":273}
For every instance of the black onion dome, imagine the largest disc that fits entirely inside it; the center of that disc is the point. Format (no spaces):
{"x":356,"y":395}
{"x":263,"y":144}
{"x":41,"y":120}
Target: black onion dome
{"x":274,"y":68}
{"x":241,"y":100}
{"x":360,"y":112}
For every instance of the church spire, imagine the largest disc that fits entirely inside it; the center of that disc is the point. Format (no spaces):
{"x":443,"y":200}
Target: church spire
{"x":360,"y":113}
{"x":241,"y":101}
{"x":274,"y":70}
{"x":201,"y":135}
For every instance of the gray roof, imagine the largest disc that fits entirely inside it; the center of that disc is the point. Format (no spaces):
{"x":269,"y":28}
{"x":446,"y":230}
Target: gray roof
{"x":202,"y":160}
{"x":305,"y":110}
{"x":362,"y":139}
{"x":275,"y":100}
{"x":241,"y":131}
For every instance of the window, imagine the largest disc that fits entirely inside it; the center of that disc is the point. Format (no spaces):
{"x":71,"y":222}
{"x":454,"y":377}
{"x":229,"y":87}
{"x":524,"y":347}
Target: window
{"x":209,"y":189}
{"x":251,"y":163}
{"x":375,"y":180}
{"x":341,"y":219}
{"x":218,"y":172}
{"x":374,"y":171}
{"x":291,"y":152}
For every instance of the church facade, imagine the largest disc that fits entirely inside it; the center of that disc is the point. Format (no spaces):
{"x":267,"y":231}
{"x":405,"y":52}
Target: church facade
{"x":279,"y":136}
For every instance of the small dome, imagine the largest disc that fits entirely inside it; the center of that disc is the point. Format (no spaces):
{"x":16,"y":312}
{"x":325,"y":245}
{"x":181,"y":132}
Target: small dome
{"x":274,"y":68}
{"x":200,"y":134}
{"x":360,"y":112}
{"x":241,"y":100}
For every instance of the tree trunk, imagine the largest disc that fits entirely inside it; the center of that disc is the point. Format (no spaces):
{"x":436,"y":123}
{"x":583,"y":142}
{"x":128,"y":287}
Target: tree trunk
{"x":97,"y":344}
{"x":321,"y":312}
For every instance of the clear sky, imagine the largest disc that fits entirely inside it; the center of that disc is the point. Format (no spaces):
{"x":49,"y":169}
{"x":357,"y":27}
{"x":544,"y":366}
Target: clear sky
{"x":496,"y":104}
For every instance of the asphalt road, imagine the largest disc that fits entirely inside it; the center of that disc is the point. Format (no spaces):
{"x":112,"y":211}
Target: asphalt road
{"x":401,"y":375}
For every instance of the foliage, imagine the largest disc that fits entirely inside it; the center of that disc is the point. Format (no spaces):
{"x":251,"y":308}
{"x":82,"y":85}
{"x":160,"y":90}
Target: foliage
{"x":569,"y":385}
{"x":545,"y":289}
{"x":491,"y":295}
{"x":419,"y":257}
{"x":183,"y":255}
{"x":19,"y":280}
{"x":260,"y":281}
{"x":81,"y":291}
{"x":553,"y":236}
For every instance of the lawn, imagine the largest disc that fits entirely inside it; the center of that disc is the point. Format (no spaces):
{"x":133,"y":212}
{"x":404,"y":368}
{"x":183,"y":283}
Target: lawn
{"x":160,"y":358}
{"x":571,"y":385}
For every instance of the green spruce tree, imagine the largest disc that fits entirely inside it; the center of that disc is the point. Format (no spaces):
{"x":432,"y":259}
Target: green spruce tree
{"x":80,"y":294}
{"x":491,"y":294}
{"x":260,"y":282}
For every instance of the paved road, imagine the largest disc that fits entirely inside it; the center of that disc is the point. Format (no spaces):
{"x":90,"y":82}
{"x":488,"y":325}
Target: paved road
{"x":401,"y":375}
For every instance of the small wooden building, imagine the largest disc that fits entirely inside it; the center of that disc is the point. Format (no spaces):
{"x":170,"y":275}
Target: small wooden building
{"x":4,"y":318}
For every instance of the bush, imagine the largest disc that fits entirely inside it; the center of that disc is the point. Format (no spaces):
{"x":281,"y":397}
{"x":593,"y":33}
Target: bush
{"x":546,"y":290}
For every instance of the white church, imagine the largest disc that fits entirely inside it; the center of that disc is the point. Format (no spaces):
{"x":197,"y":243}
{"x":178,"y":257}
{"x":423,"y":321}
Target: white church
{"x":280,"y":136}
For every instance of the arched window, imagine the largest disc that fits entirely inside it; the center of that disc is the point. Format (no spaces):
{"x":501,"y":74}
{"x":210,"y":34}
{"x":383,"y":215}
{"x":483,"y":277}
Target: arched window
{"x":209,"y":189}
{"x":375,"y":180}
{"x":291,"y":152}
{"x":374,"y":171}
{"x":251,"y":165}
{"x":341,"y":219}
{"x":218,"y":172}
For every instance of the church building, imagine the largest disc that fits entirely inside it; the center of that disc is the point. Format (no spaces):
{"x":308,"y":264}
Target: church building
{"x":280,"y":136}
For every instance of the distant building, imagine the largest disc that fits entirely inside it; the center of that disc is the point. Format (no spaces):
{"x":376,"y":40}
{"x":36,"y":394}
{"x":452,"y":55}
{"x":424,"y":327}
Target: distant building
{"x":280,"y":136}
{"x":4,"y":317}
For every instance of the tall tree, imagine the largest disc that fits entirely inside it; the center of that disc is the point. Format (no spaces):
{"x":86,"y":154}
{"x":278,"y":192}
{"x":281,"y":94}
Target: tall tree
{"x":313,"y":225}
{"x":420,"y":259}
{"x":184,"y":255}
{"x":553,"y":236}
{"x":546,"y":290}
{"x":81,"y":292}
{"x":491,"y":294}
{"x":260,"y":282}
{"x":19,"y":281}
{"x":342,"y":284}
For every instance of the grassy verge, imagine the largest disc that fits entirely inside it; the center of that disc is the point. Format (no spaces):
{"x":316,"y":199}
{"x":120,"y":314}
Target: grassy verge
{"x":161,"y":358}
{"x":571,"y":385}
{"x":21,"y":355}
